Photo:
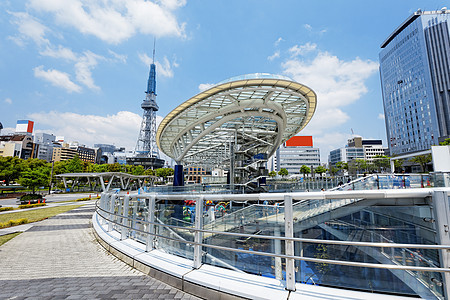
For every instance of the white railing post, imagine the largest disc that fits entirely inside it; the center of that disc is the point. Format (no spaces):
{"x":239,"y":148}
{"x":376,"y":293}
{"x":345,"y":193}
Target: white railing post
{"x":112,"y":204}
{"x":151,"y":227}
{"x":124,"y":230}
{"x":134,"y":219}
{"x":289,"y":245}
{"x":198,"y":237}
{"x":102,"y":206}
{"x":442,"y":216}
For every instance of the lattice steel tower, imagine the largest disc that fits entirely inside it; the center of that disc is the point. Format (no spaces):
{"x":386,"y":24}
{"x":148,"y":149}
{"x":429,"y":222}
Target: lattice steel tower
{"x":146,"y":144}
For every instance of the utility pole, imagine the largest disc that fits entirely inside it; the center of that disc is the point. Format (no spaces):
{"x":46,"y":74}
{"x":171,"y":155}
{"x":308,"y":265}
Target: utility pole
{"x":51,"y":178}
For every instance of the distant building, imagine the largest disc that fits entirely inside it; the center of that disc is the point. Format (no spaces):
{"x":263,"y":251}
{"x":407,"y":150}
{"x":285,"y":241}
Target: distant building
{"x":24,"y":127}
{"x":69,"y":151}
{"x":46,"y":143}
{"x":414,"y":67}
{"x":293,"y":154}
{"x":19,"y":145}
{"x":194,"y":174}
{"x":357,"y":148}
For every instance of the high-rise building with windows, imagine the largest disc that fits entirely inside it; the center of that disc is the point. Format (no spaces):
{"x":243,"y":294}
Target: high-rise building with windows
{"x":415,"y":80}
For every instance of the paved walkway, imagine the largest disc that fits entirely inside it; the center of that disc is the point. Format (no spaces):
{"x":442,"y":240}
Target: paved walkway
{"x":59,"y":258}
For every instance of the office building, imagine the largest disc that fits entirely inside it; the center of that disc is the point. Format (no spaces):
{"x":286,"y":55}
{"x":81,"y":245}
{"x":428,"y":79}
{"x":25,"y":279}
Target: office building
{"x":357,"y":148}
{"x":414,"y":67}
{"x":20,"y":145}
{"x":296,"y":152}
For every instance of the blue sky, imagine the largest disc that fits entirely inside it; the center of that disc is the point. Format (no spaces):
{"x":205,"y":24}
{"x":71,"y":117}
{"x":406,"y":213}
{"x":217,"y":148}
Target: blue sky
{"x":79,"y":68}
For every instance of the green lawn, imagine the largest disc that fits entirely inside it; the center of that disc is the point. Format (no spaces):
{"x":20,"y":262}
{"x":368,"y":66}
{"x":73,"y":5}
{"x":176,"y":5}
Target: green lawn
{"x":7,"y":237}
{"x":38,"y":214}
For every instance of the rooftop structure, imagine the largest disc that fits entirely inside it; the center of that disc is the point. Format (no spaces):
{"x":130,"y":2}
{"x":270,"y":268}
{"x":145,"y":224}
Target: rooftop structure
{"x":255,"y":112}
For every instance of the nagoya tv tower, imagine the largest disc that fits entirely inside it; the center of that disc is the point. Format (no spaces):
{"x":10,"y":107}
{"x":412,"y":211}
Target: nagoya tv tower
{"x":146,"y":144}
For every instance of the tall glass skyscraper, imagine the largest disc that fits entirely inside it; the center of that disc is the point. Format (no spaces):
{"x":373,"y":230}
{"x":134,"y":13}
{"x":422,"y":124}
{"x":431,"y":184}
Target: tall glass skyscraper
{"x":415,"y":72}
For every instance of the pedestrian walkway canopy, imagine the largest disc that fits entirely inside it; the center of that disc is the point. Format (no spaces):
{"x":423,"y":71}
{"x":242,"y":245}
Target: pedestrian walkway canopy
{"x":256,"y":112}
{"x":124,"y":179}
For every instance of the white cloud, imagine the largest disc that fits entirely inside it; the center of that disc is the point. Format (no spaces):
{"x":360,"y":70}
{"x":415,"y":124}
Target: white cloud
{"x":118,"y":57}
{"x":8,"y":101}
{"x":57,"y":78}
{"x":381,"y":116}
{"x":29,"y":29}
{"x":297,"y":50}
{"x":83,"y":69}
{"x":205,"y":86}
{"x":277,"y":42}
{"x":273,"y":56}
{"x":165,"y":68}
{"x":115,"y":21}
{"x":120,"y":129}
{"x":307,"y":27}
{"x":59,"y":52}
{"x":337,"y":84}
{"x":145,"y":58}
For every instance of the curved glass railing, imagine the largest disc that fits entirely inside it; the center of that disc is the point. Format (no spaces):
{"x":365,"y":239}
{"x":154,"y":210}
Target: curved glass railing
{"x":378,"y":241}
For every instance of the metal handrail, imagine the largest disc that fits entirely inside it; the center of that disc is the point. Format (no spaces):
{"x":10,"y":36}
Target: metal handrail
{"x":308,"y":259}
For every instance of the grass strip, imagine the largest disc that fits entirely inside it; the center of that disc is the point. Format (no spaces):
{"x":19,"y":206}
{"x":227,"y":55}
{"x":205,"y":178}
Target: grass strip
{"x":38,"y":214}
{"x":7,"y":237}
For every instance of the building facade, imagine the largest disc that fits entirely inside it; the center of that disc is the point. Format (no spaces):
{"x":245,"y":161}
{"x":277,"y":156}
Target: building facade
{"x":414,"y":69}
{"x":357,"y":148}
{"x":296,"y":152}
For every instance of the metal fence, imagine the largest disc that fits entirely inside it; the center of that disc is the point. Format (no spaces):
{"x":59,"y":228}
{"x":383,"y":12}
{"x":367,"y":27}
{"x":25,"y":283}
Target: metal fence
{"x":263,"y":234}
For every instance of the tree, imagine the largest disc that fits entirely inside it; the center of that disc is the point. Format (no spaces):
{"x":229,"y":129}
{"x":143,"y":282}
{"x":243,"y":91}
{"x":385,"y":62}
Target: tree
{"x":164,"y":172}
{"x":340,"y":165}
{"x":272,"y":174}
{"x":283,"y":172}
{"x":422,"y":160}
{"x":35,"y":178}
{"x":137,"y":170}
{"x":446,"y":142}
{"x":333,"y":171}
{"x":149,"y":172}
{"x":305,"y":170}
{"x":115,"y":167}
{"x":11,"y":168}
{"x":381,"y":162}
{"x":398,"y":164}
{"x":320,"y":170}
{"x":74,"y":165}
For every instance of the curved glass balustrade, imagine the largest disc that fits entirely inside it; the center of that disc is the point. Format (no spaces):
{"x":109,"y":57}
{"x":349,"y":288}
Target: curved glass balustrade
{"x":385,"y":241}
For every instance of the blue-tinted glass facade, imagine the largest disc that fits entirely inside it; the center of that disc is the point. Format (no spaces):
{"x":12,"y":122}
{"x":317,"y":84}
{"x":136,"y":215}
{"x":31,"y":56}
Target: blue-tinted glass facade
{"x":415,"y":79}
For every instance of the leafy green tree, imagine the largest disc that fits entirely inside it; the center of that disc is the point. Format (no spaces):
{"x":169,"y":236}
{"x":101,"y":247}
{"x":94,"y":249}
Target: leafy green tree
{"x":320,"y":170}
{"x":137,"y":170}
{"x":59,"y":167}
{"x":74,"y":165}
{"x":33,"y":178}
{"x":381,"y":162}
{"x":34,"y":163}
{"x":164,"y":172}
{"x":10,"y":168}
{"x":115,"y":167}
{"x":398,"y":164}
{"x":101,"y":168}
{"x":446,"y":142}
{"x":272,"y":174}
{"x":422,"y":160}
{"x":342,"y":165}
{"x":305,"y":170}
{"x":360,"y":165}
{"x":283,"y":172}
{"x":149,"y":172}
{"x":333,"y":171}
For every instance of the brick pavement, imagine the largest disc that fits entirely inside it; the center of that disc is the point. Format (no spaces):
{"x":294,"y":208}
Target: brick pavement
{"x":59,"y":258}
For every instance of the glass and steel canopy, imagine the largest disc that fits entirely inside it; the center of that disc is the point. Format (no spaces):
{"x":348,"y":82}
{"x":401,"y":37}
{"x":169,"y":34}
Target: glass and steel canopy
{"x":256,"y":112}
